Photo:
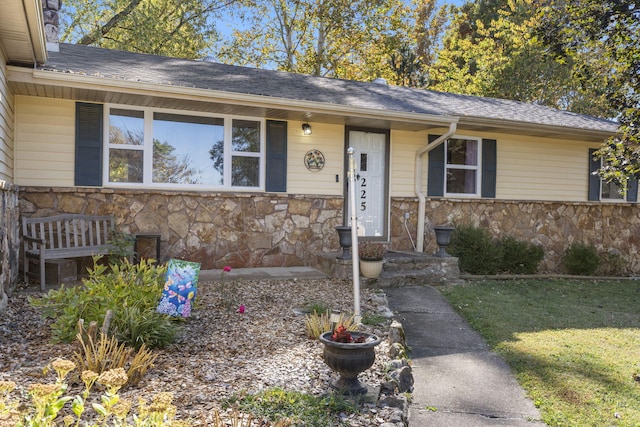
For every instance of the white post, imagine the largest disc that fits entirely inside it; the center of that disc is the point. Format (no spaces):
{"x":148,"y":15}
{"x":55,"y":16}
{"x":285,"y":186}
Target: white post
{"x":351,"y":176}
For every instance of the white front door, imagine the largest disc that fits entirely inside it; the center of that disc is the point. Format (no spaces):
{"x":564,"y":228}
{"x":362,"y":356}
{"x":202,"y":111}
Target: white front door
{"x":371,"y":189}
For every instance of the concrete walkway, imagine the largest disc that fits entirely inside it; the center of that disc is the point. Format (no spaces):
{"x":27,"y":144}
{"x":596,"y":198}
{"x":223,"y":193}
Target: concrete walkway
{"x":458,"y":380}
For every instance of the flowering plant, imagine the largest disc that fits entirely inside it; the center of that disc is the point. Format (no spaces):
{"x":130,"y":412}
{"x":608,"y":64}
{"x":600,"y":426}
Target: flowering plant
{"x":370,"y":251}
{"x":341,"y":334}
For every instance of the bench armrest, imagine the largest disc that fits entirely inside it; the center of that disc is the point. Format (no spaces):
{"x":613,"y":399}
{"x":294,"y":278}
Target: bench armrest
{"x":34,"y":240}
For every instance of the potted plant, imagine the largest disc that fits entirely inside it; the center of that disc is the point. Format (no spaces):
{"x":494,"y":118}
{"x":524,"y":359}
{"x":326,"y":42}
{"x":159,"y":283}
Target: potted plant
{"x":371,"y":258}
{"x":349,"y":353}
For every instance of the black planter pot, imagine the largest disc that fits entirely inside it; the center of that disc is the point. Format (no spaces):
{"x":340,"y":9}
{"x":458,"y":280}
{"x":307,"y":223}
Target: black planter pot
{"x":443,"y":239}
{"x":349,"y":359}
{"x":344,"y":233}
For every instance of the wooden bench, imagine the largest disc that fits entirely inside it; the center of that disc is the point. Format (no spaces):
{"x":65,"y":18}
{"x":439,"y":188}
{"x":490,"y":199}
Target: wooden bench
{"x":63,"y":236}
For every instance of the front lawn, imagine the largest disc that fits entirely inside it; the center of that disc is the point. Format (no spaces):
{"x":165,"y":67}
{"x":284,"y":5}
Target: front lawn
{"x":573,"y":345}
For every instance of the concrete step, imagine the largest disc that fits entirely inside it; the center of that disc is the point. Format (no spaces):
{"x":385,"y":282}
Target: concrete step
{"x":399,"y":269}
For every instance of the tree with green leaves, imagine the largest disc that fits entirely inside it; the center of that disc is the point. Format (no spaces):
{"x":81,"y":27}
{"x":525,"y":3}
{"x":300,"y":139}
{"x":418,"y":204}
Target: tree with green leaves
{"x":177,"y":28}
{"x":604,"y":35}
{"x":357,"y":40}
{"x":492,"y":48}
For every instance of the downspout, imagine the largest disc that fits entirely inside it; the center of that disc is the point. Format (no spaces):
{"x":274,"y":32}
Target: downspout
{"x":418,"y":183}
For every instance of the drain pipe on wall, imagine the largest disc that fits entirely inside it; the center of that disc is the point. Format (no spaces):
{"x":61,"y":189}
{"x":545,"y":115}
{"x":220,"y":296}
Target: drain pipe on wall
{"x":418,"y":184}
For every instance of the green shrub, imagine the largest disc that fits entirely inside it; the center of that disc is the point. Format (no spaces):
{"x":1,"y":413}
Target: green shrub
{"x":519,"y":257}
{"x":581,"y":259}
{"x":131,"y":291}
{"x":121,"y":246}
{"x":477,"y":252}
{"x":612,"y":263}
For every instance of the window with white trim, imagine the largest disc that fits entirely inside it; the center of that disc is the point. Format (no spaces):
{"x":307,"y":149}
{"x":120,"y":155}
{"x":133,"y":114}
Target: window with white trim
{"x":462,"y":166}
{"x":174,"y":149}
{"x":610,"y":191}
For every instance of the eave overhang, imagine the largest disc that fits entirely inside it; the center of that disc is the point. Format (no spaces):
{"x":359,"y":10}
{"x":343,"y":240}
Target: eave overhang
{"x":87,"y":88}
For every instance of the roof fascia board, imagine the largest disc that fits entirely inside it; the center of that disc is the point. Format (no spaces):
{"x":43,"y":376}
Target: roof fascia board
{"x":35,"y":21}
{"x":24,"y":75}
{"x":520,"y":126}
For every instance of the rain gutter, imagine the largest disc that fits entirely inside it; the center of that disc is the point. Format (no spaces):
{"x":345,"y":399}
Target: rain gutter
{"x":418,"y":183}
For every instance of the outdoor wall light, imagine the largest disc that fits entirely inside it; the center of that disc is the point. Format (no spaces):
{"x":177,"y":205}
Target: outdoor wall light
{"x":306,"y":129}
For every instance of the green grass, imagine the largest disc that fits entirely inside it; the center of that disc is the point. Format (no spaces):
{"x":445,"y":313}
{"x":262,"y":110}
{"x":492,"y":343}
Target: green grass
{"x":573,"y":345}
{"x":300,"y":409}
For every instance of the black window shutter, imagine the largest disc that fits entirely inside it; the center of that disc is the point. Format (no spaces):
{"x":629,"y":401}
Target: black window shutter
{"x":88,"y":159}
{"x":276,"y":170}
{"x":435,"y":186}
{"x":489,"y":165}
{"x":594,"y":178}
{"x":632,"y":190}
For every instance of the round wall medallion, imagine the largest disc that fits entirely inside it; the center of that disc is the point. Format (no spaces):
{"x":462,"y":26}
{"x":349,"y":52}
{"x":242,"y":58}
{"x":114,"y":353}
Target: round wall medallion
{"x":314,"y":160}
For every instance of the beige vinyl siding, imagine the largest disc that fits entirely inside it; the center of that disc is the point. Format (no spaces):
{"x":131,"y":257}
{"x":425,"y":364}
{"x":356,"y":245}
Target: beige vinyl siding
{"x":404,"y":146}
{"x":528,"y":168}
{"x":6,"y":124}
{"x":329,"y":139}
{"x":45,"y":147}
{"x":542,"y":169}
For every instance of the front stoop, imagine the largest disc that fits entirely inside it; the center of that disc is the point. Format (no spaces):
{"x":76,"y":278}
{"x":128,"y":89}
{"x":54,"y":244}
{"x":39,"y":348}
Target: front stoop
{"x":399,"y":269}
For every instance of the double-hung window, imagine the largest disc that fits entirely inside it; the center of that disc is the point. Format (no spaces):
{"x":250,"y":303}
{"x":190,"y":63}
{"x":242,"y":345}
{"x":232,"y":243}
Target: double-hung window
{"x":462,"y":166}
{"x":169,"y":149}
{"x":601,"y":190}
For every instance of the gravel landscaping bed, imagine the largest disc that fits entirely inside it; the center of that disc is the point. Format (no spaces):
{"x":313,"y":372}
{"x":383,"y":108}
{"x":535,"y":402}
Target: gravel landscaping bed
{"x":220,"y":352}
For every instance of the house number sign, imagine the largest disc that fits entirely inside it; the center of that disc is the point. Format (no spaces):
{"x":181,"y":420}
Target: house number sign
{"x":314,"y":160}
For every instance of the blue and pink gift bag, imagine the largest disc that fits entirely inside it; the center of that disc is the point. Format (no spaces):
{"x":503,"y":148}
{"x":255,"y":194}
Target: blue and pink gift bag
{"x":180,"y":288}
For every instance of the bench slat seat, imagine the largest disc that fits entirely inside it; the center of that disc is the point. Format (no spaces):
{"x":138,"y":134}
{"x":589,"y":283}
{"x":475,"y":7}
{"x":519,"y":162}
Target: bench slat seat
{"x":63,"y":236}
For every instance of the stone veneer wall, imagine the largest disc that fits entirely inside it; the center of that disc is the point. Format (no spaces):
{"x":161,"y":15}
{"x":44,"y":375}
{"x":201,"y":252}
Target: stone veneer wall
{"x":215,"y":229}
{"x":9,"y":241}
{"x":254,"y":230}
{"x":610,"y":227}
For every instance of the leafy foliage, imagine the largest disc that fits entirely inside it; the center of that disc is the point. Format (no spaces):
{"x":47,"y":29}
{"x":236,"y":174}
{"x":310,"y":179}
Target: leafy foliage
{"x":612,"y":264}
{"x":317,"y":323}
{"x":603,"y":38}
{"x":480,"y":254}
{"x":519,"y":257}
{"x":178,"y":28}
{"x":371,"y":251}
{"x":130,"y":291}
{"x":293,"y":406}
{"x":492,"y":49}
{"x":477,"y":252}
{"x":121,"y":247}
{"x":356,"y":40}
{"x":581,"y":259}
{"x":99,"y":353}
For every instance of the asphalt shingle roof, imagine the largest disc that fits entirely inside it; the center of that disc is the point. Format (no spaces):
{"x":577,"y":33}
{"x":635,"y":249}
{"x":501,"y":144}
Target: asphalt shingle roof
{"x":137,"y":67}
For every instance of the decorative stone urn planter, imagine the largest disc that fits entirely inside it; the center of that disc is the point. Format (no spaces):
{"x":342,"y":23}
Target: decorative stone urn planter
{"x":370,"y":269}
{"x":443,"y":238}
{"x":349,"y":359}
{"x":371,"y":258}
{"x":344,"y":234}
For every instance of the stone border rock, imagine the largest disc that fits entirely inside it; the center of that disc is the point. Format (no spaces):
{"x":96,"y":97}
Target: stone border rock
{"x":400,"y":379}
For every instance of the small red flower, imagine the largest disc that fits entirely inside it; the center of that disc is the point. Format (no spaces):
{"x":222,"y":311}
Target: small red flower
{"x":227,"y":268}
{"x":241,"y":309}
